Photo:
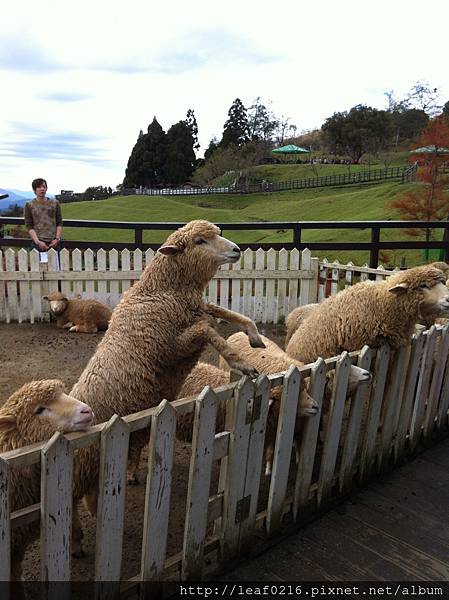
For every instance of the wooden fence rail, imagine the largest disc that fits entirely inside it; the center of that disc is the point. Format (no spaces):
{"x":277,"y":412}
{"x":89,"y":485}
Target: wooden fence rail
{"x":264,"y":285}
{"x":381,"y":424}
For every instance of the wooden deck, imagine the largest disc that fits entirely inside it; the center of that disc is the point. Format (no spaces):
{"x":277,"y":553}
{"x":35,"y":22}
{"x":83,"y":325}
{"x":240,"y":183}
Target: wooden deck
{"x":397,"y":529}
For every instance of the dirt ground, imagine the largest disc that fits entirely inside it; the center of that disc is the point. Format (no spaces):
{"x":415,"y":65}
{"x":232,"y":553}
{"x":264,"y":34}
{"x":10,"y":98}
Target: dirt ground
{"x":41,"y":351}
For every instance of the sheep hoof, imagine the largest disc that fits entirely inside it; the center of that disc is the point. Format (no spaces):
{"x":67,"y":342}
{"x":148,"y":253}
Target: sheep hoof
{"x":256,"y":342}
{"x":133,"y":479}
{"x":74,"y":328}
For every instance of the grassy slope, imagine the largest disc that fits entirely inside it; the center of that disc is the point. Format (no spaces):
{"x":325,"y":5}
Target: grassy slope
{"x":351,"y":203}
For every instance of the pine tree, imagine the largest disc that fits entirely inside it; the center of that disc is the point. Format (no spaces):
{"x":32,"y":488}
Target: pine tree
{"x":236,"y":127}
{"x":146,"y":163}
{"x":180,"y":156}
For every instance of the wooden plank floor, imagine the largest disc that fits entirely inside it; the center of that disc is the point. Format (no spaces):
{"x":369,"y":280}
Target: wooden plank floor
{"x":395,"y":529}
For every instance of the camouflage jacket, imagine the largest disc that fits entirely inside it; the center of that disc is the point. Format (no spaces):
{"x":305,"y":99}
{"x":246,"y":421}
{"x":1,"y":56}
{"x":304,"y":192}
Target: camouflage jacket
{"x":43,"y":217}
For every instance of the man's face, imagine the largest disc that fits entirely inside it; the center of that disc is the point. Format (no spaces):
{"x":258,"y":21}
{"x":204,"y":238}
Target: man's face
{"x":41,"y":191}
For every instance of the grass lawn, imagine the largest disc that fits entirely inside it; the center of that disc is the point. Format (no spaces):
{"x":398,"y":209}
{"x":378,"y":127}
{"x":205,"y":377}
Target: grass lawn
{"x":364,"y":203}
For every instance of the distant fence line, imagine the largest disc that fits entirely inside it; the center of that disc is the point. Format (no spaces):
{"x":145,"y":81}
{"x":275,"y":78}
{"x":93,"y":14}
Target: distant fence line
{"x":296,"y":227}
{"x":404,"y":173}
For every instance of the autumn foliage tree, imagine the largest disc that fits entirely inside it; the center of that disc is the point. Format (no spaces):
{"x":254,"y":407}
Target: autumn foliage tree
{"x":429,"y":201}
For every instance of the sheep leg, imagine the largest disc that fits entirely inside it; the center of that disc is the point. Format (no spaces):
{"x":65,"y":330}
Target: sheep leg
{"x":247,"y":325}
{"x":87,"y":328}
{"x":91,"y":501}
{"x":66,"y":325}
{"x":202,"y":333}
{"x":77,"y":534}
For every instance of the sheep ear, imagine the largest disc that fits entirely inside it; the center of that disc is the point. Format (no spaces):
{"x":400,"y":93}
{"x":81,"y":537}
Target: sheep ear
{"x":399,"y":288}
{"x":7,"y":422}
{"x":169,"y":250}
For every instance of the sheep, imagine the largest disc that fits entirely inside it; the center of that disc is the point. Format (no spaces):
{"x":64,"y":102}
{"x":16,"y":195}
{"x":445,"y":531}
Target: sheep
{"x":371,"y":314}
{"x":296,"y":317}
{"x":273,"y":359}
{"x":32,"y":414}
{"x":155,"y":337}
{"x":433,"y":314}
{"x":83,"y":316}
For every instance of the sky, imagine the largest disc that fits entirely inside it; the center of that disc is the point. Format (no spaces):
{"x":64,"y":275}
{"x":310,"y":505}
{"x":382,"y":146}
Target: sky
{"x":79,"y":80}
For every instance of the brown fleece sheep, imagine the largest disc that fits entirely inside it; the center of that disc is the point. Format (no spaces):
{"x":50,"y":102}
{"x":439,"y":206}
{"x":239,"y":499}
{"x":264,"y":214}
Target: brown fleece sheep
{"x":273,"y":359}
{"x":84,"y":316}
{"x":32,"y":414}
{"x":296,"y":317}
{"x":155,"y":337}
{"x":372,"y":314}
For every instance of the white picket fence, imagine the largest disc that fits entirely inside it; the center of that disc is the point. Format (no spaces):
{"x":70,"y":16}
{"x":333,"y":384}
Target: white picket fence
{"x":379,"y":426}
{"x":264,"y":285}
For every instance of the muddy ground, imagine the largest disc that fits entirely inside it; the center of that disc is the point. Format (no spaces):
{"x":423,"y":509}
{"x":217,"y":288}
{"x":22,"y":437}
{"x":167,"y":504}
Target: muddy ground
{"x":41,"y":351}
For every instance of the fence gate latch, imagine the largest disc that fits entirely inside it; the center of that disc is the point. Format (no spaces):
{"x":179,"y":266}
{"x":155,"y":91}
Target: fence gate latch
{"x":242,"y":509}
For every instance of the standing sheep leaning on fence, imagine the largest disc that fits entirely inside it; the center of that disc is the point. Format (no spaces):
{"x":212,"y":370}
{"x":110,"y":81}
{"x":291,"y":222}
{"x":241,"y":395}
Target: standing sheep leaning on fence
{"x":155,"y":337}
{"x":371,"y":314}
{"x":273,"y":359}
{"x":32,"y":414}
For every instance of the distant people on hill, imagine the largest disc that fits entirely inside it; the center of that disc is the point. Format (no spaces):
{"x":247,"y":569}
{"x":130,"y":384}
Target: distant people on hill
{"x":43,"y":219}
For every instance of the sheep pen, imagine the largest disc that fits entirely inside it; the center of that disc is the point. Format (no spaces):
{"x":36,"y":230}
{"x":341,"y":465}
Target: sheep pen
{"x":43,"y":351}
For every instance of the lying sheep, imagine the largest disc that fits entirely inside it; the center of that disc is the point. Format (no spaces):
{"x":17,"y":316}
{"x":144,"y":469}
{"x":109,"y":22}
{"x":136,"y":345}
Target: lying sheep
{"x":296,"y":317}
{"x":155,"y":337}
{"x":32,"y":414}
{"x":371,"y":314}
{"x":273,"y":359}
{"x":83,"y":316}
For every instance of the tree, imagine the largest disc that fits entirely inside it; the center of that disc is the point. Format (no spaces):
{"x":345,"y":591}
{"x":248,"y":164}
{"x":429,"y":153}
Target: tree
{"x":262,"y":123}
{"x":96,"y":193}
{"x":180,"y":155}
{"x":213,"y":145}
{"x":363,"y":129}
{"x":145,"y":165}
{"x":408,"y":123}
{"x":235,"y":129}
{"x":430,"y":200}
{"x":193,"y":126}
{"x":446,"y":109}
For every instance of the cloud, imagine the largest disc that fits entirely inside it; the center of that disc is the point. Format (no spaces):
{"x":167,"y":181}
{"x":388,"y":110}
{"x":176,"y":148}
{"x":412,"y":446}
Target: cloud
{"x":191,"y":51}
{"x":65,"y":96}
{"x":25,"y":55}
{"x":27,"y":141}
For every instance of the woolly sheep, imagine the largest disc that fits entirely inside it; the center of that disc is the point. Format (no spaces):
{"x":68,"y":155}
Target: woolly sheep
{"x":296,"y":317}
{"x":83,"y":316}
{"x":273,"y":359}
{"x":155,"y":337}
{"x":32,"y":414}
{"x":372,"y":314}
{"x":432,"y":314}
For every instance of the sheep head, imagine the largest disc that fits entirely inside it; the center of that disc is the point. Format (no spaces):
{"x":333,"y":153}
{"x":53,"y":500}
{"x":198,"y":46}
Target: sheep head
{"x":200,"y":246}
{"x":39,"y":408}
{"x":58,"y":302}
{"x":427,"y":284}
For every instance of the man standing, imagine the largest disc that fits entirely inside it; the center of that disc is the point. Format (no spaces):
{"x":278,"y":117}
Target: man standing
{"x":43,"y":219}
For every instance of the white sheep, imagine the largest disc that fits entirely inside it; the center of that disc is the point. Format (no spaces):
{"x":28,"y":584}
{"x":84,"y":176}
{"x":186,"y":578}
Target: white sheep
{"x":83,"y":316}
{"x":371,"y":314}
{"x":32,"y":414}
{"x":273,"y":359}
{"x":155,"y":337}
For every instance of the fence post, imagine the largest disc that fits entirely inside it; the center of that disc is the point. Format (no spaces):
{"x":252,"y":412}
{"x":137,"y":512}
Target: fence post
{"x":56,"y":510}
{"x":5,"y":522}
{"x":374,"y":252}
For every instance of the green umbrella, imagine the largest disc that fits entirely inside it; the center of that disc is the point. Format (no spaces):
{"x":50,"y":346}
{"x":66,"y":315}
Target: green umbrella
{"x":290,"y":149}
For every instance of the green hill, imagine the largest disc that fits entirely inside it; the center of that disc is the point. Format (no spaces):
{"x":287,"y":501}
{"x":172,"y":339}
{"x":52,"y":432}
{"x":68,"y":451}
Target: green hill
{"x":362,"y":203}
